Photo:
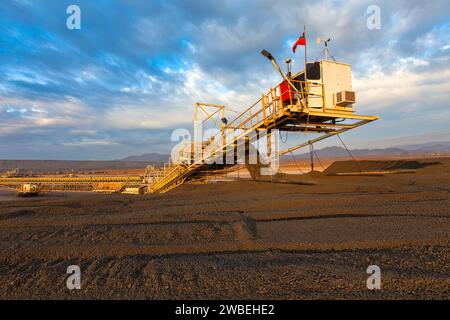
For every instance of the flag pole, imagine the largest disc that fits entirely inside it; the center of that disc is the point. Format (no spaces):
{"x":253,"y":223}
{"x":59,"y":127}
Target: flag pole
{"x":306,"y":78}
{"x":306,"y":43}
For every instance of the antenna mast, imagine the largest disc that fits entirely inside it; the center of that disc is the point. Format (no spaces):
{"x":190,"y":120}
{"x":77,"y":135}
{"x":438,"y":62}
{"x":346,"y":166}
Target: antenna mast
{"x":326,"y":51}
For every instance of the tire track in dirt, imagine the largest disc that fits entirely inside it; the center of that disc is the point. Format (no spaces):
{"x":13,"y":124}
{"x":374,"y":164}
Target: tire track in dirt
{"x":274,"y":218}
{"x":52,"y":252}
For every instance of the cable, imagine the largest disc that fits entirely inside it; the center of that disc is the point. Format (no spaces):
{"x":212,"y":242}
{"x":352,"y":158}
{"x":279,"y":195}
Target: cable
{"x":311,"y":155}
{"x":351,"y":155}
{"x":315,"y":153}
{"x":229,"y":109}
{"x":281,"y":138}
{"x":295,"y":162}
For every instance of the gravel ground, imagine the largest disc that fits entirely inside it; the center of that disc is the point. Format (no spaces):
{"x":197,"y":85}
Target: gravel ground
{"x":236,"y":240}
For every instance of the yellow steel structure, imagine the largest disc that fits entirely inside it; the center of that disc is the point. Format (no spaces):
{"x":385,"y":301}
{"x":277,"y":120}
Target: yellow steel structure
{"x":313,"y":106}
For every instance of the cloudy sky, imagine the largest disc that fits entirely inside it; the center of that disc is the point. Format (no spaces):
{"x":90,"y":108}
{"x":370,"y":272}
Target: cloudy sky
{"x":131,"y":75}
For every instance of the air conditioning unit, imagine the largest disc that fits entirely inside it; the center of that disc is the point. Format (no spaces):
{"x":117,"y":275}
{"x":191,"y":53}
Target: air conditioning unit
{"x":345,"y":98}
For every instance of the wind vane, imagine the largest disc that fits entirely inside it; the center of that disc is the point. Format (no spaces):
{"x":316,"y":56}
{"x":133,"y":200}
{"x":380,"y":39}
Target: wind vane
{"x":326,"y":50}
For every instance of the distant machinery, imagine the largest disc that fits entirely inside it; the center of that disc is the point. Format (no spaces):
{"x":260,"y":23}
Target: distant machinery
{"x":29,"y":189}
{"x":319,"y":99}
{"x":16,"y":172}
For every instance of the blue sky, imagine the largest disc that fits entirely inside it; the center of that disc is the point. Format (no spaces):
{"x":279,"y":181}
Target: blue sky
{"x":131,"y":75}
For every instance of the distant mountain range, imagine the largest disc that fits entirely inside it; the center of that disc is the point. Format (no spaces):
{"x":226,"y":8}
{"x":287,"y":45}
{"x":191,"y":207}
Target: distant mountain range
{"x":148,"y":157}
{"x":443,"y":146}
{"x":435,"y":148}
{"x":431,"y":149}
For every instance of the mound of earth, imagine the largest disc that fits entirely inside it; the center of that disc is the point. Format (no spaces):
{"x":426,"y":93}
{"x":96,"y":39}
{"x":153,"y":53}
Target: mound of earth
{"x":376,"y":165}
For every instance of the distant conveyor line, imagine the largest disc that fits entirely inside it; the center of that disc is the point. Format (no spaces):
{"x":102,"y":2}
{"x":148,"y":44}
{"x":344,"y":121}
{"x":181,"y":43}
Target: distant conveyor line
{"x":71,"y":180}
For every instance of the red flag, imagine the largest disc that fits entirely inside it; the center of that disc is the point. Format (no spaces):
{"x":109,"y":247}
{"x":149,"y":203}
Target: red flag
{"x":300,"y":42}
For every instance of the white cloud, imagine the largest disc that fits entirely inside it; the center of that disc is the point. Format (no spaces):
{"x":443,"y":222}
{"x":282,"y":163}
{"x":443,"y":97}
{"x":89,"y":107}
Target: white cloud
{"x":415,"y":62}
{"x":83,"y":142}
{"x":403,"y":90}
{"x":43,"y":113}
